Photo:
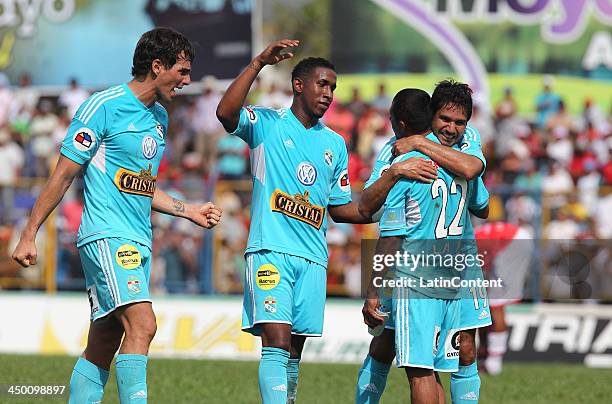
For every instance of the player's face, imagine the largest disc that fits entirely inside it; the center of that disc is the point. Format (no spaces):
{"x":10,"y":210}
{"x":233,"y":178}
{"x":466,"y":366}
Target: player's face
{"x":318,"y":91}
{"x":176,"y":77}
{"x":449,"y":124}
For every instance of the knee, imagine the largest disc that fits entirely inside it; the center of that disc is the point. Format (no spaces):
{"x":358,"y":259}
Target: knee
{"x":382,"y":348}
{"x":143,"y":329}
{"x":467,"y":349}
{"x":417,"y":374}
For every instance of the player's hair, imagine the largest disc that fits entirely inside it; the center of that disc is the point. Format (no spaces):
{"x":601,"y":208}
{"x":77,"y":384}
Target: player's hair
{"x":161,"y":43}
{"x":306,"y":66}
{"x":412,"y":106}
{"x":452,"y":93}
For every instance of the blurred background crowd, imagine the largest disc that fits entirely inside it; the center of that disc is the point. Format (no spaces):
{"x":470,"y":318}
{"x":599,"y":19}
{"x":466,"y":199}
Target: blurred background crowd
{"x":549,"y":171}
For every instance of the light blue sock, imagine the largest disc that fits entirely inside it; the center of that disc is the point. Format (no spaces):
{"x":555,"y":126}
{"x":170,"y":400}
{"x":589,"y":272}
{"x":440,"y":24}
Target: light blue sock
{"x":465,"y":385}
{"x":273,"y":375}
{"x":293,"y":368}
{"x":131,"y":375}
{"x":87,"y":383}
{"x":371,"y":381}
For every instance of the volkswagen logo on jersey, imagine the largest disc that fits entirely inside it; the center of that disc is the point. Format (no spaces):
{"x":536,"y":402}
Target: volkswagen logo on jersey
{"x":306,"y":173}
{"x":149,"y":147}
{"x":84,"y":139}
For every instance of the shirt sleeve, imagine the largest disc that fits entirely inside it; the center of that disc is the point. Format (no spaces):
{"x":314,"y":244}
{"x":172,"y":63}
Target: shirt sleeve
{"x":85,"y":133}
{"x":251,"y":124}
{"x":471,"y":145}
{"x":393,"y":220}
{"x":479,"y":198}
{"x":341,"y":186}
{"x":382,"y":163}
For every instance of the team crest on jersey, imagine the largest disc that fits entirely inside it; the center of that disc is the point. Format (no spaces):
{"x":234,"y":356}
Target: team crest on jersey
{"x":343,"y":181}
{"x":298,"y":207}
{"x":306,"y":173}
{"x":133,"y":285}
{"x":149,"y":147}
{"x":141,"y":183}
{"x":159,"y":129}
{"x":84,"y":139}
{"x":270,"y":304}
{"x":251,"y":114}
{"x":329,"y":157}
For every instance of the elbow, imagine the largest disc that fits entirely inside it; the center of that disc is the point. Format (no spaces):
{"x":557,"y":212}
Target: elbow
{"x":222,"y":115}
{"x":364,"y":211}
{"x":472,"y":171}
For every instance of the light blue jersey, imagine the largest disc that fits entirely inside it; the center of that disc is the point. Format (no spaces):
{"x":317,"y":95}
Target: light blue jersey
{"x":427,"y":214}
{"x":297,"y":173}
{"x":119,"y":142}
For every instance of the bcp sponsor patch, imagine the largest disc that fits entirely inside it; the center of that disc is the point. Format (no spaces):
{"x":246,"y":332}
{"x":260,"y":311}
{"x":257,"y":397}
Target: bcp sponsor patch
{"x":343,"y":181}
{"x":267,"y":277}
{"x":128,"y":256}
{"x":251,"y":114}
{"x":84,"y":139}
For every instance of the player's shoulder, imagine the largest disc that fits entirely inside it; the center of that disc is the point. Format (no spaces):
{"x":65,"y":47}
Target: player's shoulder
{"x":332,"y":135}
{"x":471,"y":134}
{"x":410,"y":154}
{"x":160,"y":111}
{"x":104,"y":99}
{"x":255,"y":112}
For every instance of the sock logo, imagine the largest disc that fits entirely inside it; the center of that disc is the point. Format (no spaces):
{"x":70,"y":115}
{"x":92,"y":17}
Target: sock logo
{"x":138,"y":394}
{"x":470,"y":396}
{"x":280,"y":387}
{"x":371,"y":387}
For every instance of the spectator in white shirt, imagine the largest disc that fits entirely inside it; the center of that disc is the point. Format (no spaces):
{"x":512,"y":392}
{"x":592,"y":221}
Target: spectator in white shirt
{"x":73,"y":97}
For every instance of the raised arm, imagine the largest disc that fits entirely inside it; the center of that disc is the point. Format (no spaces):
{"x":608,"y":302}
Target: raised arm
{"x":206,"y":215}
{"x":25,"y":253}
{"x":228,"y":110}
{"x":463,"y":165}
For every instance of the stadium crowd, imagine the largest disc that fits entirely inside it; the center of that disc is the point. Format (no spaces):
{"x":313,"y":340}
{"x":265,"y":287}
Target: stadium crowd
{"x":549,"y":171}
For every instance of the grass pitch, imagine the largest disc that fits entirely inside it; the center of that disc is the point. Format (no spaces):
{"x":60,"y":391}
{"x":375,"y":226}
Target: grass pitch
{"x":198,"y":381}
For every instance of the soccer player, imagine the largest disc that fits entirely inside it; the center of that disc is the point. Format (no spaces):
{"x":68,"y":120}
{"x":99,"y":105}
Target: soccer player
{"x":300,"y":172}
{"x":426,"y":319}
{"x":117,"y":138}
{"x":508,"y":255}
{"x":451,"y":105}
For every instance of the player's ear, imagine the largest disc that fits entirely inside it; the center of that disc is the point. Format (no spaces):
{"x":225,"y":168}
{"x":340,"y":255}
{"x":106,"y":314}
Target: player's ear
{"x":298,"y":85}
{"x":401,"y":125}
{"x":156,"y":67}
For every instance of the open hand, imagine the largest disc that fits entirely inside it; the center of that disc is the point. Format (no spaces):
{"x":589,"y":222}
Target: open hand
{"x":272,"y":54}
